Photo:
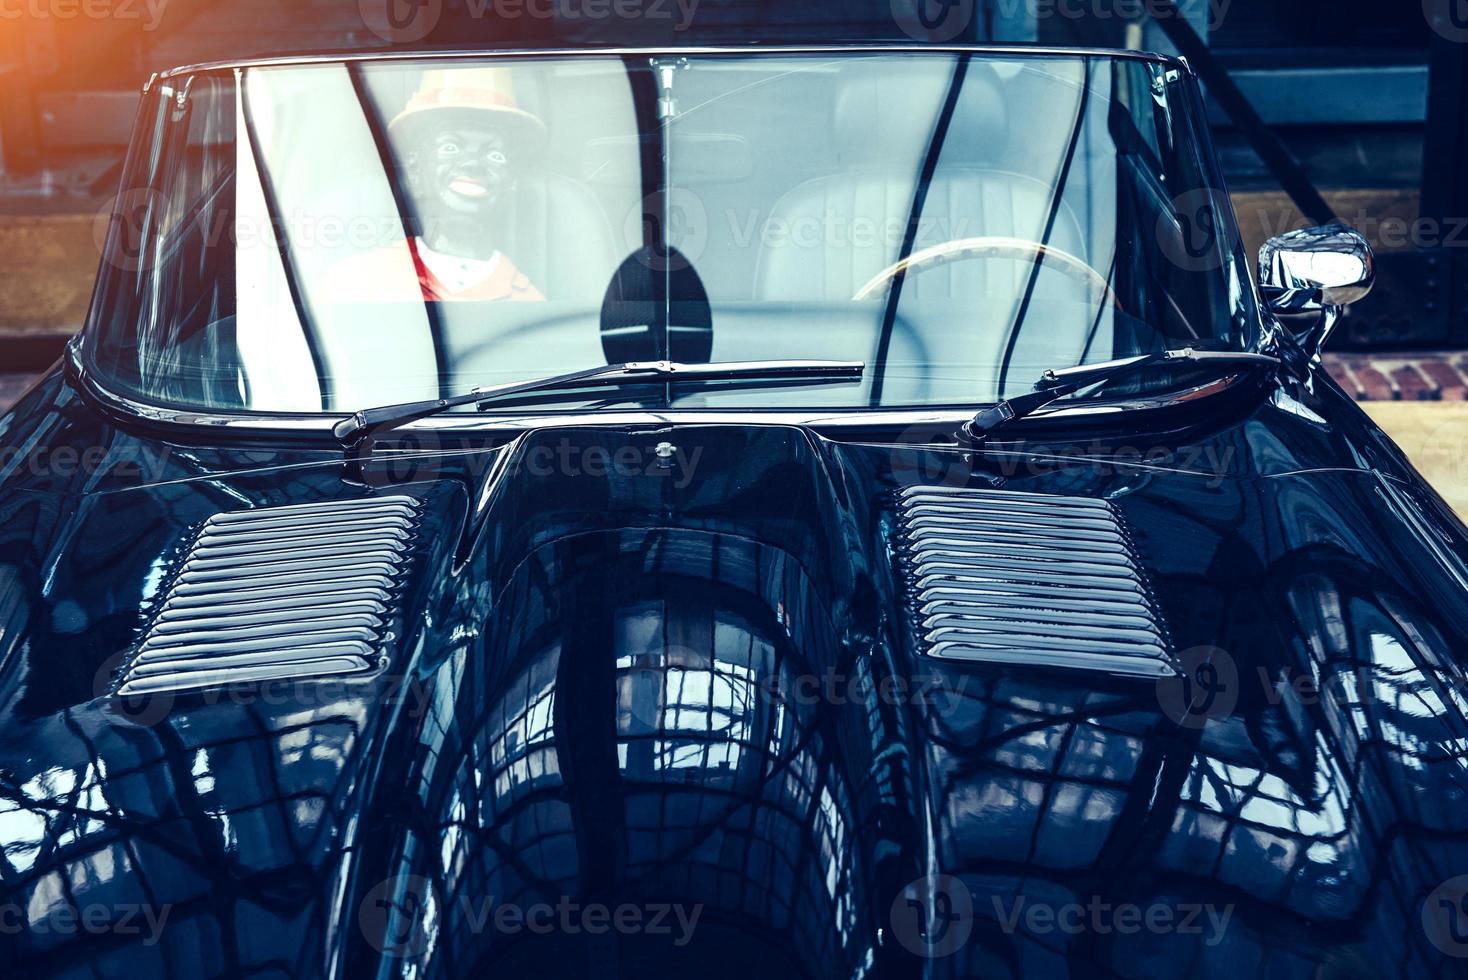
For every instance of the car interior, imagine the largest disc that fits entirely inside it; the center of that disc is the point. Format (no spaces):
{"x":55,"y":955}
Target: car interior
{"x":790,"y":196}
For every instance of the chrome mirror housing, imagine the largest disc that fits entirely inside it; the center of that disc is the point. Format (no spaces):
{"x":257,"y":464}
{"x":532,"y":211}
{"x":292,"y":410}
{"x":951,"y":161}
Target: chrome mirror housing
{"x":1317,"y":271}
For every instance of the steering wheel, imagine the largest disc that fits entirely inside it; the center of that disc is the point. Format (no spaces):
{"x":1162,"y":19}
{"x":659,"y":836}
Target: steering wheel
{"x":992,"y":247}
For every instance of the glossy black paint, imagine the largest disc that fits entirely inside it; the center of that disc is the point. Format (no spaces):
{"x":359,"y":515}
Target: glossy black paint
{"x":695,"y":688}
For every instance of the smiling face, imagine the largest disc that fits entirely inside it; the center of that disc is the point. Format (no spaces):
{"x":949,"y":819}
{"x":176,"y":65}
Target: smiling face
{"x":467,"y":167}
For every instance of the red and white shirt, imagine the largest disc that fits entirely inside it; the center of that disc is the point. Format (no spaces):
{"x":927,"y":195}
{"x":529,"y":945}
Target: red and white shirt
{"x":441,"y":277}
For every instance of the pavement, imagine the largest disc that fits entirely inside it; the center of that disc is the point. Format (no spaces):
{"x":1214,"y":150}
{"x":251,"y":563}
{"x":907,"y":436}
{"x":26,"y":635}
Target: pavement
{"x":50,"y":266}
{"x":1434,"y":435}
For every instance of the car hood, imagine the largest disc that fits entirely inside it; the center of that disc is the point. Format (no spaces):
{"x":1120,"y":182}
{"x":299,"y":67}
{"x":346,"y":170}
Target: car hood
{"x":656,"y":702}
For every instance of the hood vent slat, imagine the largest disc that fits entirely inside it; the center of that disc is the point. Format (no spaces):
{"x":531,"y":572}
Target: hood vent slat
{"x":306,"y":590}
{"x":1029,"y":579}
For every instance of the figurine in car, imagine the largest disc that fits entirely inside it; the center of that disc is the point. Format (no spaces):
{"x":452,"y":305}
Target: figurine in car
{"x":460,"y":142}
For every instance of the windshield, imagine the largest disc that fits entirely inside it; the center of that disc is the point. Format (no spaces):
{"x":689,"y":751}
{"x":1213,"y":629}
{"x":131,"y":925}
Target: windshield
{"x":328,"y":237}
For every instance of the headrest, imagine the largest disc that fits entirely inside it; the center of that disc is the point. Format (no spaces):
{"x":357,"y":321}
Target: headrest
{"x":881,"y":123}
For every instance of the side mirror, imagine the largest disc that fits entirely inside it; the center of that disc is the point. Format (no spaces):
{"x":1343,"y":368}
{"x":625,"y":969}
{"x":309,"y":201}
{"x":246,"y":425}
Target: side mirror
{"x":1314,"y":274}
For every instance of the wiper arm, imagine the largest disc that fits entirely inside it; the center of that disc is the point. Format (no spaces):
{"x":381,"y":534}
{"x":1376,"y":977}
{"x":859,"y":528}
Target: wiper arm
{"x":1054,"y":385}
{"x":358,"y":432}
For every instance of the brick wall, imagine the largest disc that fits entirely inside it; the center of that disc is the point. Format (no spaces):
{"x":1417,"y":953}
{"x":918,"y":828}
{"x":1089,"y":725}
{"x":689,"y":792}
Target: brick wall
{"x":1402,"y":377}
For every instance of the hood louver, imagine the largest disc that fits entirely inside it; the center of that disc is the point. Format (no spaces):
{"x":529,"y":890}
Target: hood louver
{"x":1030,"y":579}
{"x":275,"y":593}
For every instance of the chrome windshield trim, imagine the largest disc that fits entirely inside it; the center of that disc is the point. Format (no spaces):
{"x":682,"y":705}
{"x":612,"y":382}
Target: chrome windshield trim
{"x":518,"y":422}
{"x":359,"y":57}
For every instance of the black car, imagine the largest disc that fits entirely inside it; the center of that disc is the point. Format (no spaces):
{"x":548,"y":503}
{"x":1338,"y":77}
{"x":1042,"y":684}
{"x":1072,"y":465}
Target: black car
{"x":785,"y":513}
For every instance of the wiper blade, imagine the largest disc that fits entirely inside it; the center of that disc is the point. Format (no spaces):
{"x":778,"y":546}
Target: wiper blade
{"x":357,"y":433}
{"x":1055,"y":385}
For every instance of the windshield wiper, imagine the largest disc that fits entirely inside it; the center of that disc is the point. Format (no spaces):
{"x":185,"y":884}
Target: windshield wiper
{"x":357,"y":433}
{"x":1054,"y":385}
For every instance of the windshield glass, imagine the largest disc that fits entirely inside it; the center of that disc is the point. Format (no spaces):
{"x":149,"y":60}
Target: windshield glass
{"x":328,"y":237}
